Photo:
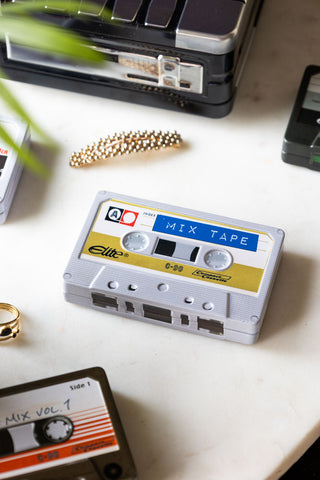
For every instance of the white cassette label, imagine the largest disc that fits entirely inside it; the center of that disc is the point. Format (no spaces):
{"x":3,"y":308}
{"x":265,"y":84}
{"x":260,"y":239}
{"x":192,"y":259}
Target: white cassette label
{"x":7,"y":157}
{"x":312,"y":98}
{"x":198,"y":249}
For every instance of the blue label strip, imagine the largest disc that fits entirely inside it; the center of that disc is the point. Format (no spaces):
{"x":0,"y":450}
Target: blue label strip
{"x":206,"y":232}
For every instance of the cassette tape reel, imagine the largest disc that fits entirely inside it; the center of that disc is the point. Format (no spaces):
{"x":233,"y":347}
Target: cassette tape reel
{"x":189,"y":270}
{"x":64,"y":427}
{"x":26,"y":436}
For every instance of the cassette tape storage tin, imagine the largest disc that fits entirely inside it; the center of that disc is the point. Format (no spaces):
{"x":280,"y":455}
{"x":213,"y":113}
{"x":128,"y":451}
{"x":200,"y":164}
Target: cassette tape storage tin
{"x":65,"y":427}
{"x":180,"y":54}
{"x":301,"y":144}
{"x":10,"y":166}
{"x":172,"y":266}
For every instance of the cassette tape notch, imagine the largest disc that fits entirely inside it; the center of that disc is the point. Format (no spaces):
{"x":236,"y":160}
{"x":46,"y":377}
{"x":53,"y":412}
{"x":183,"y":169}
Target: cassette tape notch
{"x":188,"y":270}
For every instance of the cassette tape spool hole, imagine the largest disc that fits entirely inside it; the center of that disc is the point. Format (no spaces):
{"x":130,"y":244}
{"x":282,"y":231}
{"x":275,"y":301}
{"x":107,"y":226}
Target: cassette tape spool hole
{"x":135,"y":241}
{"x":57,"y":429}
{"x":218,"y":259}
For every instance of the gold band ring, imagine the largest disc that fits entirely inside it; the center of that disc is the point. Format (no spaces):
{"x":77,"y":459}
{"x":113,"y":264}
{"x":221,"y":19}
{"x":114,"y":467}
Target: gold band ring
{"x":11,"y":328}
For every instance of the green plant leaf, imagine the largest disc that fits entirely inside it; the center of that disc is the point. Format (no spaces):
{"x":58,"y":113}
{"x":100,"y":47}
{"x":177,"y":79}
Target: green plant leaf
{"x":25,"y":155}
{"x":49,"y":38}
{"x":17,"y":22}
{"x":70,"y":7}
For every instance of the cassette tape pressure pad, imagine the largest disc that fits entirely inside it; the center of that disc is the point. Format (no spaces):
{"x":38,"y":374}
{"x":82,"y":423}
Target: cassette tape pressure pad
{"x":63,"y":428}
{"x":189,"y":270}
{"x":180,"y":54}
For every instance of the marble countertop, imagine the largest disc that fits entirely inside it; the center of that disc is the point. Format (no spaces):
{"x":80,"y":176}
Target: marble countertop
{"x":191,"y":406}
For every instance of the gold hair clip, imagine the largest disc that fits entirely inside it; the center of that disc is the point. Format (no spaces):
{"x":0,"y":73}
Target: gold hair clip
{"x":123,"y":144}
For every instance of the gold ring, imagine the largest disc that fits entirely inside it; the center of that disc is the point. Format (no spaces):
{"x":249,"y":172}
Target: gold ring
{"x":11,"y":328}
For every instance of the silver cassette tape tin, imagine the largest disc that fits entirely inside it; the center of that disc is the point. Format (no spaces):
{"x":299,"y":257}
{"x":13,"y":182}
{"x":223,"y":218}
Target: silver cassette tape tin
{"x":185,"y":55}
{"x":167,"y":265}
{"x":10,"y":166}
{"x":64,"y":427}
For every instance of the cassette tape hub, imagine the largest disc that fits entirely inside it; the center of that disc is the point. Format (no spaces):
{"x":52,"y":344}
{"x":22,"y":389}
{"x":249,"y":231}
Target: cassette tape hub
{"x":179,"y":54}
{"x":65,"y":427}
{"x":171,"y":266}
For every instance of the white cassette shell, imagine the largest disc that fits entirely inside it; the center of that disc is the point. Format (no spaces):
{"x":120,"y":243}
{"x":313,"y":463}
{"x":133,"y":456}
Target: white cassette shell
{"x":10,"y":166}
{"x":197,"y":299}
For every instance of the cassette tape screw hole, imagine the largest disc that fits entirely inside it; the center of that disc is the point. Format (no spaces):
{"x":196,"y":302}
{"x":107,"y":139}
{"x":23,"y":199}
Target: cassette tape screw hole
{"x":163,"y":287}
{"x":132,"y":287}
{"x":112,"y":471}
{"x":113,"y":285}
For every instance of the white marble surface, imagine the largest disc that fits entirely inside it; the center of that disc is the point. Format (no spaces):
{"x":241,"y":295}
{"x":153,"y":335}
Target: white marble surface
{"x":192,"y":407}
